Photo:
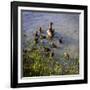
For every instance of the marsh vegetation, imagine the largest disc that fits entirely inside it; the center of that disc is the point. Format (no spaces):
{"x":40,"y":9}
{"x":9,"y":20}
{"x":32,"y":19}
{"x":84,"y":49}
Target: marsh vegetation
{"x":40,"y":57}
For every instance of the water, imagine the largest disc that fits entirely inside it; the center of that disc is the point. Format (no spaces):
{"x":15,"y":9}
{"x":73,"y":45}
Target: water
{"x":66,"y":25}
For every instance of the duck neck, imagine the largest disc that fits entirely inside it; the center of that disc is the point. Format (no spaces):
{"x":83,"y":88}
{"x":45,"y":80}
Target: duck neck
{"x":50,"y":26}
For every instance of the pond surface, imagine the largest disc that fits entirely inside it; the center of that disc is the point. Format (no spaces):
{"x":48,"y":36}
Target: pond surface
{"x":66,"y":25}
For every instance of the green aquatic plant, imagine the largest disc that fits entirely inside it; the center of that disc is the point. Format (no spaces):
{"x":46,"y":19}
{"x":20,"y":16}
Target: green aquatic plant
{"x":39,"y":60}
{"x":35,"y":65}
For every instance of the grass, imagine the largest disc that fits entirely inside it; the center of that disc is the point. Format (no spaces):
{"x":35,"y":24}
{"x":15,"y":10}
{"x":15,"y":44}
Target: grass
{"x":36,"y":64}
{"x":40,"y":63}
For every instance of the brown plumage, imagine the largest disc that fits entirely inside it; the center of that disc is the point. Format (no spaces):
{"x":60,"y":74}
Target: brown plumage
{"x":50,"y":31}
{"x":66,"y":55}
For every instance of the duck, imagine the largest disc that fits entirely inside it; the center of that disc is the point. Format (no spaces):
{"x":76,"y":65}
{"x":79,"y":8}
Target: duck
{"x":36,"y":37}
{"x":50,"y":31}
{"x":66,"y":55}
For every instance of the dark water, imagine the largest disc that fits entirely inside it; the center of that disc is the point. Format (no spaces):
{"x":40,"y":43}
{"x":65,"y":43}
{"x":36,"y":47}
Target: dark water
{"x":66,"y":25}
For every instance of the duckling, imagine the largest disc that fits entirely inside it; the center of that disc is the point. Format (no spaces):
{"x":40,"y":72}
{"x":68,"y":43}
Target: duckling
{"x":36,"y":34}
{"x":40,"y":30}
{"x":66,"y":55}
{"x":50,"y":31}
{"x":36,"y":37}
{"x":61,"y":40}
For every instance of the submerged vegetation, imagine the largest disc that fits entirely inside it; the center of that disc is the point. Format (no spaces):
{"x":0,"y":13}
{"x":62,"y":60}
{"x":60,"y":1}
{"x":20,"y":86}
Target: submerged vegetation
{"x":39,"y":58}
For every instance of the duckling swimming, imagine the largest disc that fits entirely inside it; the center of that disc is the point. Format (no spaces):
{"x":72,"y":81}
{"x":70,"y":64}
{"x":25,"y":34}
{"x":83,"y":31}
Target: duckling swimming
{"x":36,"y":34}
{"x":36,"y":37}
{"x":40,"y":30}
{"x":61,"y":40}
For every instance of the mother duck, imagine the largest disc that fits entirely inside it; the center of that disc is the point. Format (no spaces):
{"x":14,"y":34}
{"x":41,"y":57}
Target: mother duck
{"x":50,"y":31}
